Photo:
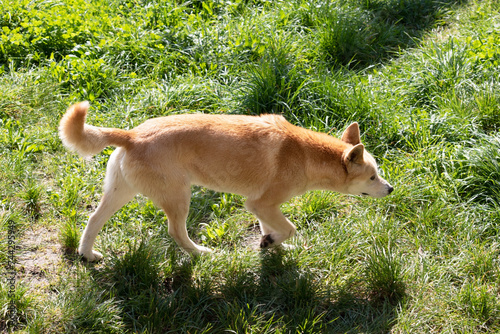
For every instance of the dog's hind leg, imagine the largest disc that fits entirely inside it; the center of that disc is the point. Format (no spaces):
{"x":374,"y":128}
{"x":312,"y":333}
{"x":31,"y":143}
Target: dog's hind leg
{"x":117,"y":193}
{"x":276,"y":228}
{"x":176,"y":207}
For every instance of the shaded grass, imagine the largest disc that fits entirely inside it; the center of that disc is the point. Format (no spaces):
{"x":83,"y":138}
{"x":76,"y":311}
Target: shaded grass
{"x":274,"y":296}
{"x":360,"y":34}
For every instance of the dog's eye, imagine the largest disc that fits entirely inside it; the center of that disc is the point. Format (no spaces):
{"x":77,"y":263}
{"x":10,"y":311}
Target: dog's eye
{"x":372,"y":178}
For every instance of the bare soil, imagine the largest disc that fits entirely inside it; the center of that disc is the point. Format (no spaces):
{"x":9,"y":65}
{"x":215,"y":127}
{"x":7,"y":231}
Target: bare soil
{"x":39,"y":259}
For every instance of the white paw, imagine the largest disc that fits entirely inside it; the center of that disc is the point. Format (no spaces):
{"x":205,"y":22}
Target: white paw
{"x":93,"y":256}
{"x":288,"y":246}
{"x":201,"y":250}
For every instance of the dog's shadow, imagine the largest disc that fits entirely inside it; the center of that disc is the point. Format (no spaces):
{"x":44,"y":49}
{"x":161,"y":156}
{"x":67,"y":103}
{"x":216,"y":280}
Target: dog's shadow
{"x":276,"y":291}
{"x":297,"y":296}
{"x":311,"y":305}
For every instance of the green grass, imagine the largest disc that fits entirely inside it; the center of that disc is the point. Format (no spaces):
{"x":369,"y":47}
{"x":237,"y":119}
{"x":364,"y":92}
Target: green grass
{"x":420,"y":77}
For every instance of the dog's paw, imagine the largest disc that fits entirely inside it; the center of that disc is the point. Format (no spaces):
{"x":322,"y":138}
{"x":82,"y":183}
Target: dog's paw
{"x":288,"y":246}
{"x":94,"y":256}
{"x":201,"y":250}
{"x":266,"y":241}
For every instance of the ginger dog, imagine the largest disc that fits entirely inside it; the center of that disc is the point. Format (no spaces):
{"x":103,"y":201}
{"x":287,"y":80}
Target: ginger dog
{"x":263,"y":158}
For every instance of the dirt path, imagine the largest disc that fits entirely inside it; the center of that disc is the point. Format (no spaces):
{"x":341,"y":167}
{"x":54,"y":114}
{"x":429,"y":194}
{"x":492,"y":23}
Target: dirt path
{"x":39,"y":259}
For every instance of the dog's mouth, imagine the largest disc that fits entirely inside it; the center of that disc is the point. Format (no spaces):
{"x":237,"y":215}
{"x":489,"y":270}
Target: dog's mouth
{"x":365,"y":194}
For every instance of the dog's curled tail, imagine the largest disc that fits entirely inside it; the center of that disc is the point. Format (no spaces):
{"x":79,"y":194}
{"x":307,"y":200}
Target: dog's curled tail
{"x":87,"y":139}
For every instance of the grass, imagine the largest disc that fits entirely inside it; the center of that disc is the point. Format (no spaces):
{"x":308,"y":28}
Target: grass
{"x":421,"y":78}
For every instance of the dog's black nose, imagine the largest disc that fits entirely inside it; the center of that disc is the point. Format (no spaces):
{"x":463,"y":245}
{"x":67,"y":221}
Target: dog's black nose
{"x":391,"y":188}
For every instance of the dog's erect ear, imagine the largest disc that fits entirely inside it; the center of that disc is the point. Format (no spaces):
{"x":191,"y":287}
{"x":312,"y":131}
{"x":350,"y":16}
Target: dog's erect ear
{"x":351,"y":134}
{"x":354,"y":154}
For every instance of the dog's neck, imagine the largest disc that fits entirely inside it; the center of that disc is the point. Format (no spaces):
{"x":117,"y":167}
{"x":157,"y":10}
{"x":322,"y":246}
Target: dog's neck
{"x":324,"y":165}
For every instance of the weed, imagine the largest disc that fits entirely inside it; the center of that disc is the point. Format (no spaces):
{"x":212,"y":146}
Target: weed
{"x":276,"y":83}
{"x":24,"y":305}
{"x":137,"y":270}
{"x":479,"y":171}
{"x":32,"y":197}
{"x":87,"y":309}
{"x":385,"y":273}
{"x":343,"y":40}
{"x":418,"y":14}
{"x":448,"y":71}
{"x":478,"y":301}
{"x":69,"y":234}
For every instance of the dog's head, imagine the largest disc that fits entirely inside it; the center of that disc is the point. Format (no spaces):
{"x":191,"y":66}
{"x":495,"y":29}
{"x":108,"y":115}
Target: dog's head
{"x":361,"y":167}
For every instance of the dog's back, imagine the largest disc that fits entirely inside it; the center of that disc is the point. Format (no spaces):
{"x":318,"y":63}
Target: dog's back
{"x":230,"y":153}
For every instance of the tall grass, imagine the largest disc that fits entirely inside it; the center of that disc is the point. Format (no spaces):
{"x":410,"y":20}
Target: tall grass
{"x":276,"y":84}
{"x":478,"y":172}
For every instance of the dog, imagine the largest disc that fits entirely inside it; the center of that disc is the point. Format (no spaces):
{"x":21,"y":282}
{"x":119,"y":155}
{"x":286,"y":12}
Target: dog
{"x":264,"y":158}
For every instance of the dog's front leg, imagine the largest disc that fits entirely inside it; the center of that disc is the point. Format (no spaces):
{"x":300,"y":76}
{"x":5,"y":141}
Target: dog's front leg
{"x":276,"y":228}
